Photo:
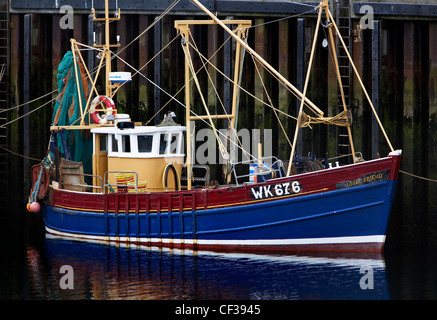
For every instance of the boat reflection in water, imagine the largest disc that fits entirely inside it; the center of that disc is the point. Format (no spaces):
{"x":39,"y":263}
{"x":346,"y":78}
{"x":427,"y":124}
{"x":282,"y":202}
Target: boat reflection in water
{"x":113,"y":272}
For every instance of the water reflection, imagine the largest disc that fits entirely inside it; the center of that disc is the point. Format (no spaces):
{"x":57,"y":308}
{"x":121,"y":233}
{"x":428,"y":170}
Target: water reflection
{"x":108,"y":272}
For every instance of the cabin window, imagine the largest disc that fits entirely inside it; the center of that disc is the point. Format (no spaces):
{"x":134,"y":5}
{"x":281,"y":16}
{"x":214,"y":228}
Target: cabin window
{"x":114,"y":144}
{"x":162,"y":144}
{"x":103,"y":143}
{"x":145,"y":143}
{"x":173,"y":144}
{"x":126,"y":143}
{"x":168,"y":143}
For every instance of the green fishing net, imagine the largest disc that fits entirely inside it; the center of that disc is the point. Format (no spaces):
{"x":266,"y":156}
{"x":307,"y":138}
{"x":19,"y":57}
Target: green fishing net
{"x":67,"y":113}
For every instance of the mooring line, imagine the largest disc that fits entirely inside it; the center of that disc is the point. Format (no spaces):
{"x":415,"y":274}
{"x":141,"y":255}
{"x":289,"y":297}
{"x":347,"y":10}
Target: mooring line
{"x":416,"y":176}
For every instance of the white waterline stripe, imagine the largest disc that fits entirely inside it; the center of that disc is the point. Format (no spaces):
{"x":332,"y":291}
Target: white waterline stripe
{"x":264,"y":242}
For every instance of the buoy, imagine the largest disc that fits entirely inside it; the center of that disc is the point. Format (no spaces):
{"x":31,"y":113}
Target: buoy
{"x":110,"y":109}
{"x":28,"y":207}
{"x":34,"y":207}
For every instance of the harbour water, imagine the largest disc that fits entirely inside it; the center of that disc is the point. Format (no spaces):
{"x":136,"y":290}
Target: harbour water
{"x":34,"y":266}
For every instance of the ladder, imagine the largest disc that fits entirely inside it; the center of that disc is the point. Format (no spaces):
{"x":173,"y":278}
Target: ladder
{"x":4,"y":63}
{"x":344,"y":23}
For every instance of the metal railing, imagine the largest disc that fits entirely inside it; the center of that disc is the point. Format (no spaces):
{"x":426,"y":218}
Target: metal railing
{"x":81,"y":185}
{"x":264,"y":169}
{"x":206,"y":178}
{"x":104,"y":183}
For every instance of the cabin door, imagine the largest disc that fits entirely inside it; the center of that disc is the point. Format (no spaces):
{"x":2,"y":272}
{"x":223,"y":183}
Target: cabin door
{"x":100,"y":159}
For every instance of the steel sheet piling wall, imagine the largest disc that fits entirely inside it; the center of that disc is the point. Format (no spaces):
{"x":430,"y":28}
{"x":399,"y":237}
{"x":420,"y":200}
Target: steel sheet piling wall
{"x":407,"y":89}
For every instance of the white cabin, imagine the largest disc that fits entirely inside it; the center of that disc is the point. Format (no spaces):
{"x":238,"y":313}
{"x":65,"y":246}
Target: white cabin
{"x":150,"y":151}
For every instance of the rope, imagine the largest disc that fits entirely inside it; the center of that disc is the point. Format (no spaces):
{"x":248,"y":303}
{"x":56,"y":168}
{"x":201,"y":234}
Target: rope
{"x":416,"y":176}
{"x":20,"y":155}
{"x":25,"y":115}
{"x":343,"y":119}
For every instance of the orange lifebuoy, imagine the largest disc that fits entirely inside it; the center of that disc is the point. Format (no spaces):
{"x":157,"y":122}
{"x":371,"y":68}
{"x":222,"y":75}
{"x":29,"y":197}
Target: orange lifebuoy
{"x":110,"y":109}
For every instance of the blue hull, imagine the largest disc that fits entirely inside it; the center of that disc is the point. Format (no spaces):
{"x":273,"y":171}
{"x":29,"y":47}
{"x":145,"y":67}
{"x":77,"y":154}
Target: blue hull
{"x":346,"y":219}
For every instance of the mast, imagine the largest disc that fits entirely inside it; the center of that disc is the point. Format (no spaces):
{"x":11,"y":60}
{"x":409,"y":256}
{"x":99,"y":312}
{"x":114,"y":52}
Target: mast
{"x":107,"y":46}
{"x":107,"y":52}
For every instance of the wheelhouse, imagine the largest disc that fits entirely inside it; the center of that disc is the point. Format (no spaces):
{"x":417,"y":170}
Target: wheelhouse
{"x":155,"y":154}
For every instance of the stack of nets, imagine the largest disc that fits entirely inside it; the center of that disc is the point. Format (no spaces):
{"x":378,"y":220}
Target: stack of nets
{"x":307,"y":164}
{"x":67,"y":111}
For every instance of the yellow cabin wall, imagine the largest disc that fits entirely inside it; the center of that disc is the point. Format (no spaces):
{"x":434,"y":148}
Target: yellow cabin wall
{"x":150,"y":170}
{"x":100,"y":164}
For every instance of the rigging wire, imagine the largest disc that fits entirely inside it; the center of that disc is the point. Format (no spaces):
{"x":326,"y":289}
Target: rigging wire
{"x":116,"y":54}
{"x":212,"y":56}
{"x":164,"y":91}
{"x":180,"y":103}
{"x":270,"y":100}
{"x":282,"y":19}
{"x":244,"y":90}
{"x":25,"y":115}
{"x":92,"y":72}
{"x":166,"y":11}
{"x":29,"y":102}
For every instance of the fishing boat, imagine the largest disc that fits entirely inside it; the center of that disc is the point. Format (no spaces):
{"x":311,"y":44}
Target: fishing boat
{"x":143,"y":187}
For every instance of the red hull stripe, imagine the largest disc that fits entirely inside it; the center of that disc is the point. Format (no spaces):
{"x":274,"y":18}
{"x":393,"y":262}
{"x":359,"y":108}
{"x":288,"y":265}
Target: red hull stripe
{"x":199,"y":207}
{"x":201,"y":199}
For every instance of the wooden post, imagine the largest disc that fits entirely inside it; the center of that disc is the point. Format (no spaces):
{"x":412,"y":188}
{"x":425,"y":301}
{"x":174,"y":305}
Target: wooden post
{"x":260,"y":150}
{"x":27,"y":56}
{"x":227,"y":67}
{"x":158,"y":66}
{"x":76,"y":72}
{"x":91,"y":54}
{"x":300,"y":71}
{"x":376,"y":69}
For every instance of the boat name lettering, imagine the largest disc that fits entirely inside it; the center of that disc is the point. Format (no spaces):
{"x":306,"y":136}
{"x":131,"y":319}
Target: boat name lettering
{"x":275,"y":190}
{"x":368,"y":178}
